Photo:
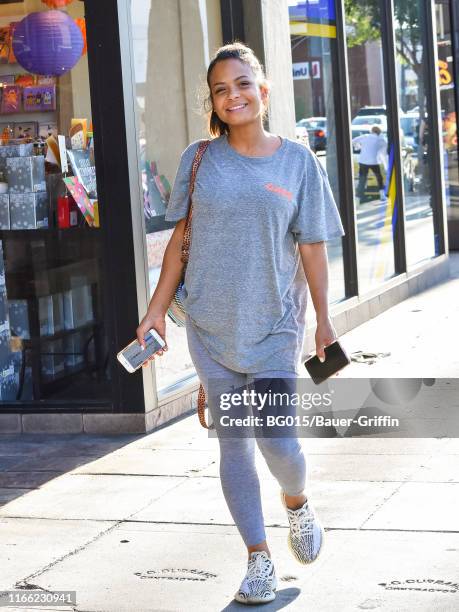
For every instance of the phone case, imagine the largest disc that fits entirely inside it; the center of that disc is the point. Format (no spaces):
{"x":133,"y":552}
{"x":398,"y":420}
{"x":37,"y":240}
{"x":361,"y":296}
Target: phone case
{"x":335,"y":359}
{"x":134,"y":354}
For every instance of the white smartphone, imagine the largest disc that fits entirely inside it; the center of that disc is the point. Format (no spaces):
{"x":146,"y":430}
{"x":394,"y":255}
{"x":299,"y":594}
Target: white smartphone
{"x":132,"y":356}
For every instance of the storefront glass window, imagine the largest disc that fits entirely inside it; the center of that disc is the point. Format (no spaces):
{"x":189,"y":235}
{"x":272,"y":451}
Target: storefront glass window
{"x":313,"y":41}
{"x":416,"y":129}
{"x":52,"y":338}
{"x":172,"y":44}
{"x":371,"y":143}
{"x":448,"y":108}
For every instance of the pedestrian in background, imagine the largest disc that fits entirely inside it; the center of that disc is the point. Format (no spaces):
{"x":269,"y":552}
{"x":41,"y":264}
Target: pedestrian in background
{"x":262,"y":209}
{"x":372,"y":147}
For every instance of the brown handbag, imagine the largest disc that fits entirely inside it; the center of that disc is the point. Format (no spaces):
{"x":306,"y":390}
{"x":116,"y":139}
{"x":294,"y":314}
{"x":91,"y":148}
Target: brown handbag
{"x":177,"y":311}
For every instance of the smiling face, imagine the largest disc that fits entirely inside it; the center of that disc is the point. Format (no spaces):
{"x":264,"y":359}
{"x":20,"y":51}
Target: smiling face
{"x":237,"y":97}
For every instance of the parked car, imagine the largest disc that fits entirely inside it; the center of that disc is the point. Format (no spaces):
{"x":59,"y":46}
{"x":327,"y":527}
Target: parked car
{"x":316,"y":128}
{"x":372,"y":110}
{"x":301,"y":134}
{"x":368,"y":121}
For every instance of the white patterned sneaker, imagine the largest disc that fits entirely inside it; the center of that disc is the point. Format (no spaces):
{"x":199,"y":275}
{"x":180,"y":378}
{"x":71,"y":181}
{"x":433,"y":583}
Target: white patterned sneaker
{"x":260,"y":581}
{"x":306,"y":534}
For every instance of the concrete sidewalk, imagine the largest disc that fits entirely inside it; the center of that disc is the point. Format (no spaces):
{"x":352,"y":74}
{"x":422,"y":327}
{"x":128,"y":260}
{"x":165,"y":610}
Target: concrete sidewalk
{"x":139,"y":523}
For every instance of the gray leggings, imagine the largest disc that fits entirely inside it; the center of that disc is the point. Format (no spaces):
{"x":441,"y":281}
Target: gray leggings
{"x":238,"y":475}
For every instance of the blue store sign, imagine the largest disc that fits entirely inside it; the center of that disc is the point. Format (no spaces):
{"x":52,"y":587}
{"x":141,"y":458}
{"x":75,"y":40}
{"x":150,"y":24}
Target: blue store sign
{"x":313,"y":9}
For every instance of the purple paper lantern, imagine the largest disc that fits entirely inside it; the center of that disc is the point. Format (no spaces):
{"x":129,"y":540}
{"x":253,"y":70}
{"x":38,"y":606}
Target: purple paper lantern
{"x":48,"y":42}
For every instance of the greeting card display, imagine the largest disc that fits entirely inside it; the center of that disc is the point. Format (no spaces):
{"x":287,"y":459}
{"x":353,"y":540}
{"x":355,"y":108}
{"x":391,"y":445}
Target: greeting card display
{"x":83,"y":170}
{"x":45,"y":130}
{"x":79,"y":194}
{"x":41,"y":98}
{"x":46,"y":80}
{"x":11,"y":99}
{"x":5,"y":40}
{"x":28,"y":129}
{"x":78,"y":131}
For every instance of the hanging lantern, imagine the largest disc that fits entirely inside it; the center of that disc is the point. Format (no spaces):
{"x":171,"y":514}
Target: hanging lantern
{"x":56,"y":3}
{"x":81,"y":23}
{"x":48,"y":42}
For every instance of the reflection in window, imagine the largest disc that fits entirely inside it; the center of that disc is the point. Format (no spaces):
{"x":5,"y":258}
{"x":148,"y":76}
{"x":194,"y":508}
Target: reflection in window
{"x":416,"y":134}
{"x":53,"y":343}
{"x":448,"y":108}
{"x":172,"y":44}
{"x":313,"y":40}
{"x":371,"y":143}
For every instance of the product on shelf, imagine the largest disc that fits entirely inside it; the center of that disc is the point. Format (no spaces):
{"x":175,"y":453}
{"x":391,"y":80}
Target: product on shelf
{"x":78,"y":131}
{"x":5,"y":42}
{"x":2,"y":268}
{"x":52,"y":359}
{"x":42,"y":98}
{"x":26,"y":129}
{"x":67,"y":212}
{"x":25,"y":80}
{"x":51,"y":314}
{"x":5,"y":222}
{"x":53,"y":156}
{"x":18,"y":312}
{"x":29,"y":210}
{"x":83,"y":169}
{"x":79,"y":194}
{"x":8,"y":381}
{"x":73,"y":348}
{"x":45,"y":130}
{"x":78,"y":308}
{"x":4,"y":319}
{"x":26,"y":174}
{"x":11,"y":99}
{"x":46,"y":80}
{"x":14,"y":150}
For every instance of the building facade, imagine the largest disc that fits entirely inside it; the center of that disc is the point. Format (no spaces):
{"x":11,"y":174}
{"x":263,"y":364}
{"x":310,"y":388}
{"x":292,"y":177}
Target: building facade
{"x":127,"y":97}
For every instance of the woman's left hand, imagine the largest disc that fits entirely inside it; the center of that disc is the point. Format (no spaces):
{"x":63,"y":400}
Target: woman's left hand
{"x":325,"y":335}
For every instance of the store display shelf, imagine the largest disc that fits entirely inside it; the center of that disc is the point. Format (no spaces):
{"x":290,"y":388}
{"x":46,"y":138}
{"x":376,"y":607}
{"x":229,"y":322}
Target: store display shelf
{"x":32,"y":342}
{"x":27,"y":233}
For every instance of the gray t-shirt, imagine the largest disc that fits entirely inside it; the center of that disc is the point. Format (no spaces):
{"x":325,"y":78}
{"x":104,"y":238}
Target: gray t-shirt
{"x":245,"y":284}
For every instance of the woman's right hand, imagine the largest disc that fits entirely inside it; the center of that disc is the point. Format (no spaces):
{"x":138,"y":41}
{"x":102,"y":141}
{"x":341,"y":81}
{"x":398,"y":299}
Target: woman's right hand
{"x":156,"y":322}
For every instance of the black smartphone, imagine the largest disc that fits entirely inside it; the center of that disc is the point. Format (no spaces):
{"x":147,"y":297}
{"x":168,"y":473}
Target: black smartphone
{"x":335,"y":359}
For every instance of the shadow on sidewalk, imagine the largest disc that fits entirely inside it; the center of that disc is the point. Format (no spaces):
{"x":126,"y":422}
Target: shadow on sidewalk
{"x":28,"y":461}
{"x":284,"y":597}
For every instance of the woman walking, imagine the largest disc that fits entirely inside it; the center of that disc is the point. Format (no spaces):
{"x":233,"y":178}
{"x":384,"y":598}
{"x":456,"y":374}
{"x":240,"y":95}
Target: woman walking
{"x":262,"y":209}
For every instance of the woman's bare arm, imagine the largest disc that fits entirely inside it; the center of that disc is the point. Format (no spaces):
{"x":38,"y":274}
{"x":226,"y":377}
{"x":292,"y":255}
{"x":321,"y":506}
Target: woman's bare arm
{"x":171,"y":273}
{"x":315,"y":265}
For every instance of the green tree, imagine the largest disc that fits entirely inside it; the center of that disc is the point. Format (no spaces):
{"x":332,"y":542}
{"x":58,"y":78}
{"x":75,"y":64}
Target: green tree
{"x":363,"y":24}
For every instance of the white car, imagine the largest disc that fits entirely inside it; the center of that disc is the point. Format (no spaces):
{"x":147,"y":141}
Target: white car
{"x":368,"y":121}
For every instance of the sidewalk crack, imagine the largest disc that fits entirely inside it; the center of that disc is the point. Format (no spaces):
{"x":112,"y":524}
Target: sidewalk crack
{"x":23,"y":583}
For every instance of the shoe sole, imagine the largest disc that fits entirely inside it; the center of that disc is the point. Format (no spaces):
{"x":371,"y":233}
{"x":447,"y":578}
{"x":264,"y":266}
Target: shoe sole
{"x":289,"y":540}
{"x":254,"y":602}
